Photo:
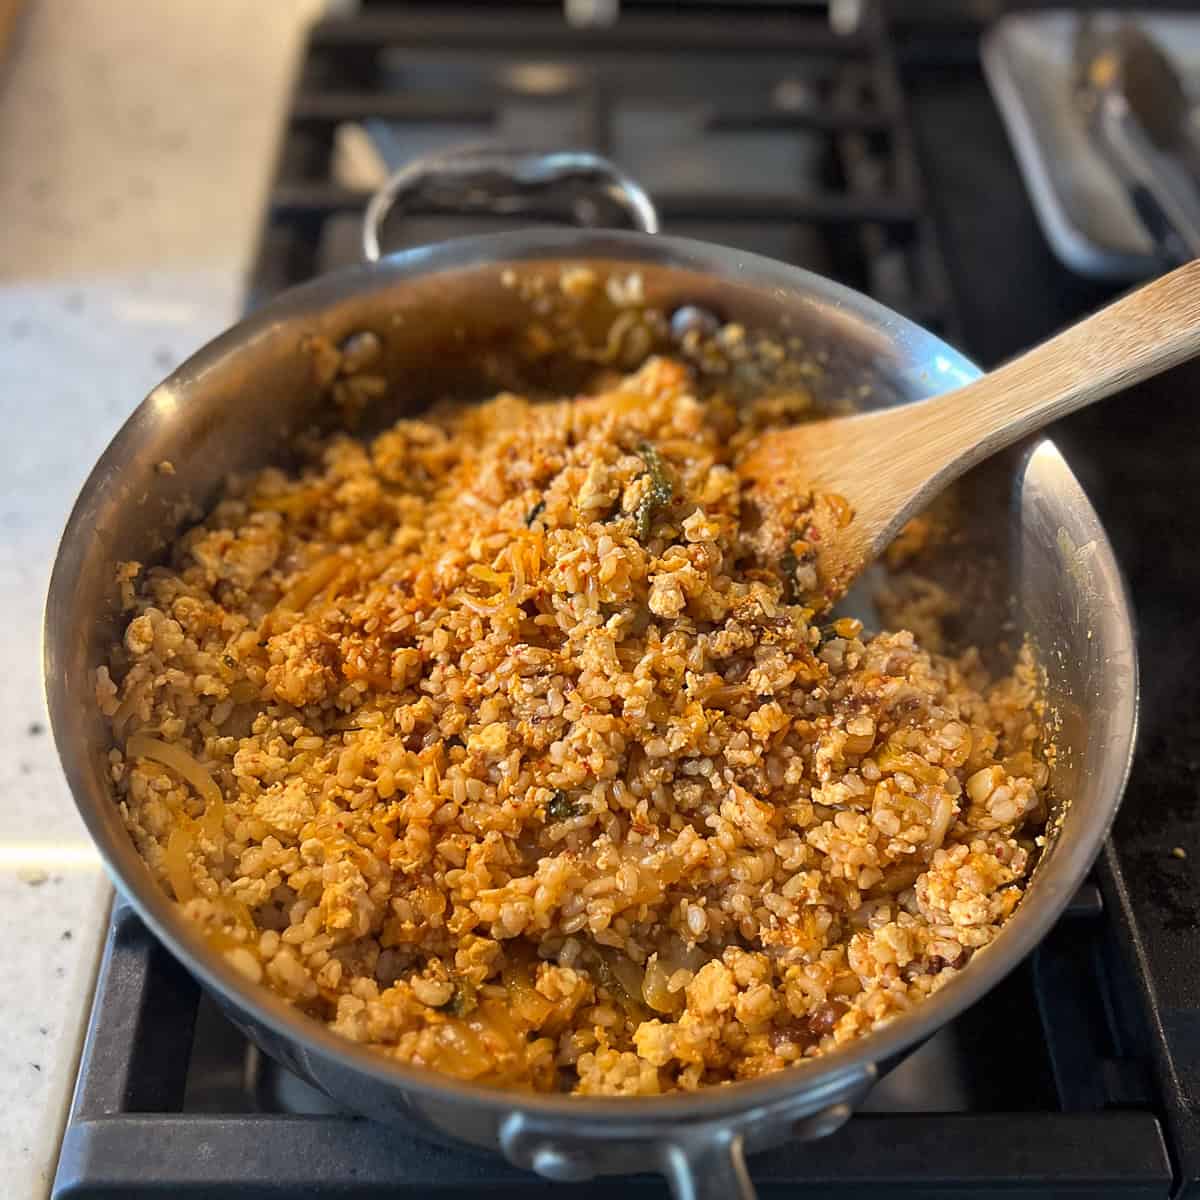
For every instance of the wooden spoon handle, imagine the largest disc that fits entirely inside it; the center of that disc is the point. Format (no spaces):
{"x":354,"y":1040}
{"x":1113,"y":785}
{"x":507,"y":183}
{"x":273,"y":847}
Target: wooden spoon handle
{"x":1135,"y":337}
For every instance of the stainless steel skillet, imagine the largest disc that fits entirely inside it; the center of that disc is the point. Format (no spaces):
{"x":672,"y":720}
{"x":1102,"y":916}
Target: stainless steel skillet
{"x":456,"y":318}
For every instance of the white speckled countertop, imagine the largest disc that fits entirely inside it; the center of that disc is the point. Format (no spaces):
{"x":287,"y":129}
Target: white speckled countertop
{"x":136,"y":143}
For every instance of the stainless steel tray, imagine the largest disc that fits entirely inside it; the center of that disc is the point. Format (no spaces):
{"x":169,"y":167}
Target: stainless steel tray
{"x":1083,"y":209}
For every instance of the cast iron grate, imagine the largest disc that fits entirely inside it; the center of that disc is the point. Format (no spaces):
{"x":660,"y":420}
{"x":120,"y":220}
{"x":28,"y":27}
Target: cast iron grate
{"x":1040,"y":1101}
{"x":752,"y":125}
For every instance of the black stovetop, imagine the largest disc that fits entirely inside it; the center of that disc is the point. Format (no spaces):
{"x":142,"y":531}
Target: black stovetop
{"x":880,"y":160}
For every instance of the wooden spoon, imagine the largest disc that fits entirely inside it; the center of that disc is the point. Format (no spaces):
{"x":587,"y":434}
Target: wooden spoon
{"x":834,"y":493}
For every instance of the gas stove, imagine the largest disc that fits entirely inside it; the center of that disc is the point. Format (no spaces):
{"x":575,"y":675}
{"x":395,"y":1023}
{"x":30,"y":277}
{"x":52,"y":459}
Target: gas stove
{"x":818,"y":135}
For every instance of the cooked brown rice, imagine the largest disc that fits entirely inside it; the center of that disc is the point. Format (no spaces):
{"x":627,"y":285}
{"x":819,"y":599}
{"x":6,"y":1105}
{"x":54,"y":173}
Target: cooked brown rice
{"x":494,"y":744}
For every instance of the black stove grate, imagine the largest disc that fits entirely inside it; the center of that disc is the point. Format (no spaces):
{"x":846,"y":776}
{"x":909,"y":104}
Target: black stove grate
{"x":755,"y":126}
{"x":1076,"y":1076}
{"x":1044,"y":1105}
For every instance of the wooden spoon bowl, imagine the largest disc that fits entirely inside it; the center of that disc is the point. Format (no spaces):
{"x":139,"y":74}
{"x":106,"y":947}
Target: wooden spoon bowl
{"x":832,"y":494}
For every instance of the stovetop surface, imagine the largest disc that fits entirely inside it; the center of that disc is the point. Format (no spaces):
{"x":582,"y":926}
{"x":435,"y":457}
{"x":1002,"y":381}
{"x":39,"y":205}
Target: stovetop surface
{"x":1080,"y":1075}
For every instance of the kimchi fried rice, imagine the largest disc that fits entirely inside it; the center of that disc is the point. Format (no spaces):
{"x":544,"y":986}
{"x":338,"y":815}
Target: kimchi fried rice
{"x":496,"y":744}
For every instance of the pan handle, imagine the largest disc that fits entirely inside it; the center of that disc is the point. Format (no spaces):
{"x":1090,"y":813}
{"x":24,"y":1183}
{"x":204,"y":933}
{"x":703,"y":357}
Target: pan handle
{"x":574,"y":184}
{"x":708,"y":1162}
{"x":713,"y":1168}
{"x":702,"y":1159}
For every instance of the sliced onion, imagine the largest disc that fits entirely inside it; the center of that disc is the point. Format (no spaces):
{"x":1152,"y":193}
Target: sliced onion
{"x":212,"y":824}
{"x":655,"y":990}
{"x":297,"y":597}
{"x":459,"y":1051}
{"x":124,"y":711}
{"x":526,"y":1003}
{"x":628,"y":974}
{"x":944,"y":809}
{"x":177,"y":866}
{"x":241,"y":913}
{"x":674,"y":953}
{"x":178,"y":760}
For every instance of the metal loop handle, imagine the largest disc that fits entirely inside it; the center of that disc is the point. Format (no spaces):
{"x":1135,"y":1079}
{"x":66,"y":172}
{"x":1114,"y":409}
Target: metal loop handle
{"x":702,"y":1159}
{"x":504,"y":181}
{"x":714,"y":1169}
